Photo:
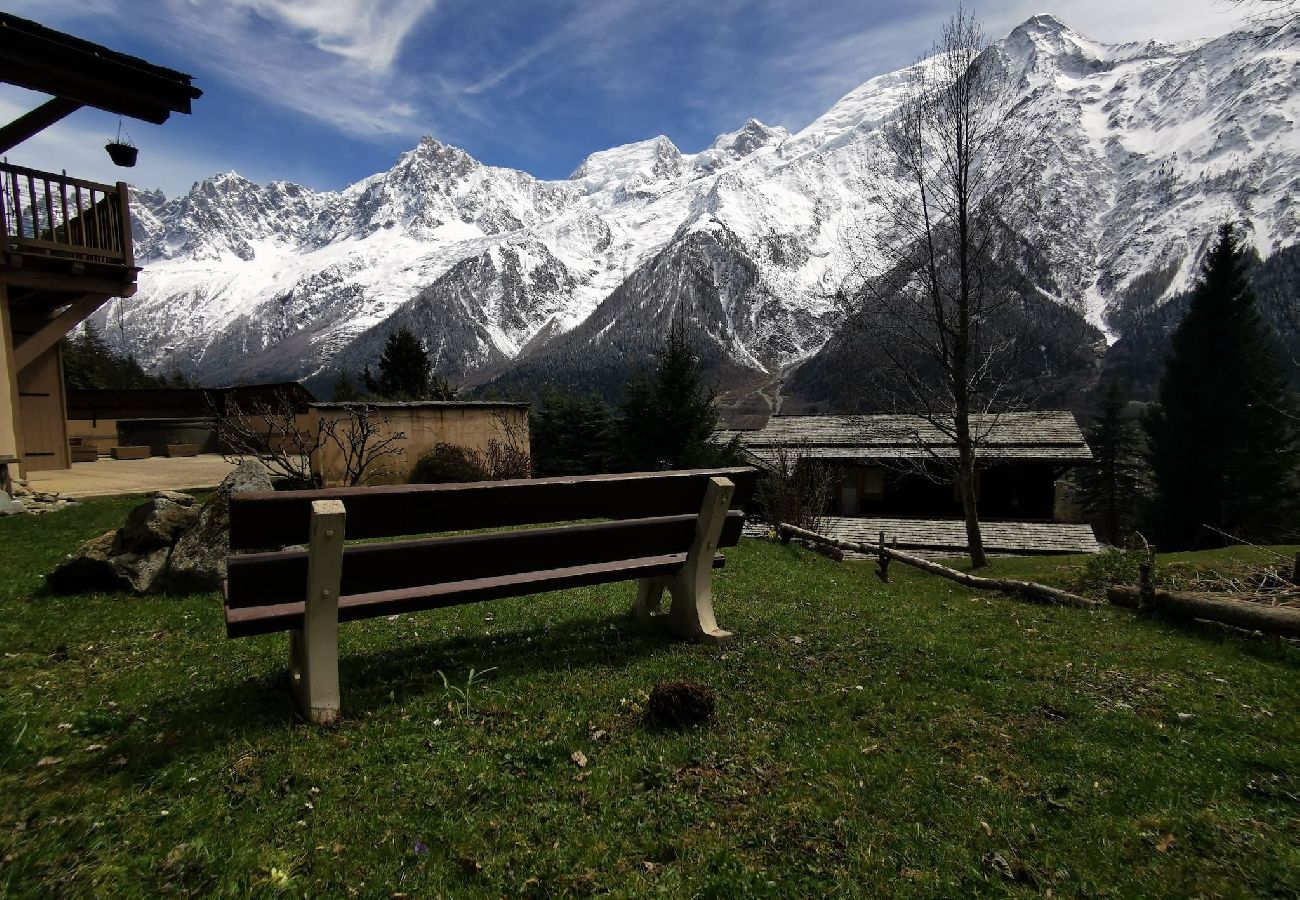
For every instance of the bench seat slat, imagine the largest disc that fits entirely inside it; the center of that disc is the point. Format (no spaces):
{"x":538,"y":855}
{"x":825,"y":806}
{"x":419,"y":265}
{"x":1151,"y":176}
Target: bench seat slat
{"x":277,"y":519}
{"x":246,"y":621}
{"x":260,"y":579}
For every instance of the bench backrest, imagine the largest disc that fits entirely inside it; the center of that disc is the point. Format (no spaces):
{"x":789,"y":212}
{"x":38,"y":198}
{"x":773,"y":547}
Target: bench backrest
{"x":278,"y":519}
{"x":649,"y":514}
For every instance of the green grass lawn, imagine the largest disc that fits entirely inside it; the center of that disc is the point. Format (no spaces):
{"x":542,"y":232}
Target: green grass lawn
{"x":913,"y":739}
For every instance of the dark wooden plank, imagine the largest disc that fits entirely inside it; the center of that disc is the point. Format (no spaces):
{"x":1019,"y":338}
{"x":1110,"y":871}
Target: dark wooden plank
{"x":261,"y":579}
{"x":269,"y":520}
{"x":287,"y":616}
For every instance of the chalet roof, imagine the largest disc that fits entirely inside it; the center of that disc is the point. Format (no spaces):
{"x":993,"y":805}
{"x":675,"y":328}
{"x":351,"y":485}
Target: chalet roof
{"x":1047,"y":436}
{"x":949,"y":535}
{"x":52,"y":62}
{"x":424,"y":404}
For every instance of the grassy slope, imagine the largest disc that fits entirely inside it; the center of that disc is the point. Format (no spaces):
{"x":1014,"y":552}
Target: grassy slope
{"x":910,"y":739}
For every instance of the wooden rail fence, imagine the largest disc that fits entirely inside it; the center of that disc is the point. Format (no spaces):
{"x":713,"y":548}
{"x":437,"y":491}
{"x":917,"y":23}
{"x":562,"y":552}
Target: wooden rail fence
{"x":42,"y":213}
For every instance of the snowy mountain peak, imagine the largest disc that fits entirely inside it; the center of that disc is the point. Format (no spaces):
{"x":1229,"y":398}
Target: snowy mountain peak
{"x":753,"y":136}
{"x":632,"y":166}
{"x":1139,"y":151}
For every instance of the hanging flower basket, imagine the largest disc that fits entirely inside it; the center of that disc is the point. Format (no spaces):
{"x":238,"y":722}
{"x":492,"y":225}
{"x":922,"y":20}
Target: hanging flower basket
{"x":120,"y":149}
{"x":122,"y":154}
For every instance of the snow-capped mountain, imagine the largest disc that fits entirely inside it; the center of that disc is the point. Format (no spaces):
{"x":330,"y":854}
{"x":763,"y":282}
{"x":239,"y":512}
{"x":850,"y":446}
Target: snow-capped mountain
{"x":1140,"y":149}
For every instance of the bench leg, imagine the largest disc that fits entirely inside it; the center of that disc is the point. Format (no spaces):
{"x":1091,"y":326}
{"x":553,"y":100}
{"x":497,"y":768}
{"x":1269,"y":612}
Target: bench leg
{"x":691,"y":615}
{"x":649,"y":594}
{"x":314,"y":650}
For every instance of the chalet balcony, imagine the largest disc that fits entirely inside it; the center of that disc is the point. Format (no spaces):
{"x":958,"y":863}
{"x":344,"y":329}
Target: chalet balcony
{"x":64,"y":235}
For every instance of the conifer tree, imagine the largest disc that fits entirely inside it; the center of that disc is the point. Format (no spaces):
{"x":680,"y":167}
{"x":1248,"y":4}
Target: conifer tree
{"x":345,"y":389}
{"x":573,"y":435}
{"x":90,"y":364}
{"x":669,"y":416}
{"x":1113,"y":487}
{"x":1222,"y":439}
{"x":405,"y":372}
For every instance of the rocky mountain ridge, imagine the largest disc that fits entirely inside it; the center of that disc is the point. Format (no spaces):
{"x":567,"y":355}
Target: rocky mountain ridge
{"x":1140,"y":151}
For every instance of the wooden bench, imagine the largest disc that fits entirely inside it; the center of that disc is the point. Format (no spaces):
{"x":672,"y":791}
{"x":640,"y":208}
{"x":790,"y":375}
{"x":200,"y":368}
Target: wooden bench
{"x":129,"y":452}
{"x":661,"y":529}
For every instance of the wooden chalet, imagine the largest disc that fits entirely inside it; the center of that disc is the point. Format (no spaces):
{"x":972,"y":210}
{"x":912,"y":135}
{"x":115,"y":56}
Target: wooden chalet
{"x":66,"y":240}
{"x":890,"y":476}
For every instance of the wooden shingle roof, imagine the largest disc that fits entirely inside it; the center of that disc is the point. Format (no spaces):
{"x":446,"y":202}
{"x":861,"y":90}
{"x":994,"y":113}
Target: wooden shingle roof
{"x":1052,"y":436}
{"x":949,"y":535}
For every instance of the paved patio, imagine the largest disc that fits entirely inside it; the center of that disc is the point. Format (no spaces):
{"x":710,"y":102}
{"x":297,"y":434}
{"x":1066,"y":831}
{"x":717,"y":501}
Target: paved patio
{"x":113,"y":477}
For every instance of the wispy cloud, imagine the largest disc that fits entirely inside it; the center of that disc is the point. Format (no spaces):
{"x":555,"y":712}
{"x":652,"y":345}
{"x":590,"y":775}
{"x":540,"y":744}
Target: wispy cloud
{"x":369,"y":32}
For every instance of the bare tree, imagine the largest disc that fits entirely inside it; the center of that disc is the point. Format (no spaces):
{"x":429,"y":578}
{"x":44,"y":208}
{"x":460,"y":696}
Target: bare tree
{"x":795,"y":488}
{"x":947,"y":311}
{"x":366,"y":446}
{"x":271,"y":430}
{"x":1280,"y":12}
{"x":508,"y":457}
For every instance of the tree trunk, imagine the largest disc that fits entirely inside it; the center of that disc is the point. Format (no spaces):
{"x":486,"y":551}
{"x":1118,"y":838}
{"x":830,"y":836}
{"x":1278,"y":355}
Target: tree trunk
{"x":1283,"y":621}
{"x":966,"y":488}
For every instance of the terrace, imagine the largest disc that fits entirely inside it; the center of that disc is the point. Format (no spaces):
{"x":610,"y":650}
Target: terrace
{"x":64,"y":233}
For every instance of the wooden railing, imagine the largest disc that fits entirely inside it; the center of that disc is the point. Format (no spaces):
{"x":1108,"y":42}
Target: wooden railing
{"x":45,"y":214}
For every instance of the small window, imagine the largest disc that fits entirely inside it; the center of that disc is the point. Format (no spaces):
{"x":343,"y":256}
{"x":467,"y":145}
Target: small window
{"x":872,"y":483}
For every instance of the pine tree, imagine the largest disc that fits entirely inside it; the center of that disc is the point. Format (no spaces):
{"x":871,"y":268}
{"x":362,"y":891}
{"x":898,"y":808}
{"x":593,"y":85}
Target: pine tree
{"x":405,"y":372}
{"x":1113,"y":487}
{"x":345,"y":389}
{"x":573,"y":435}
{"x":670,"y":416}
{"x":90,"y":364}
{"x":1222,"y":439}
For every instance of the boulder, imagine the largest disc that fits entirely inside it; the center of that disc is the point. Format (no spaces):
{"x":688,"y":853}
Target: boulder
{"x":96,"y":567}
{"x":198,"y":561}
{"x":173,"y":496}
{"x":9,"y":506}
{"x":141,"y":573}
{"x":89,"y":569}
{"x":152,"y":525}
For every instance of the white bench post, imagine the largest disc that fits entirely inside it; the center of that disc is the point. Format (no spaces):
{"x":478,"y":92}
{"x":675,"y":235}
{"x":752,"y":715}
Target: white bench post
{"x":314,"y":650}
{"x":691,"y":615}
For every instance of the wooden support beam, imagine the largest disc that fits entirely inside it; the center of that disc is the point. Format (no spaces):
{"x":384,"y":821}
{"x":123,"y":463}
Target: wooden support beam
{"x":31,"y":123}
{"x":314,"y":650}
{"x":54,"y":330}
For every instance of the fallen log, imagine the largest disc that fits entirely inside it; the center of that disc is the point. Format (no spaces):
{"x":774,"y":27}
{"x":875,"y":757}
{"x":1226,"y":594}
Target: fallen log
{"x":1282,"y":621}
{"x":1026,"y":590}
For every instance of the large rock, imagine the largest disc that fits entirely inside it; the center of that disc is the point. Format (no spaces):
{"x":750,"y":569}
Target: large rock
{"x":141,"y":573}
{"x":153,"y":525}
{"x":89,"y":569}
{"x":97,"y":567}
{"x":198,"y":561}
{"x":10,"y":506}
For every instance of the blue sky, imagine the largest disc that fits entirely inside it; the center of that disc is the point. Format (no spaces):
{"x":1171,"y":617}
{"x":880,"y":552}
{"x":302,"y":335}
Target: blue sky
{"x":325,"y":92}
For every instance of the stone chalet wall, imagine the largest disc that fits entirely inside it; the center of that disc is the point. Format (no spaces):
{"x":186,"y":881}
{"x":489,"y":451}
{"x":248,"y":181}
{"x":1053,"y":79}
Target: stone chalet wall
{"x":466,"y":424}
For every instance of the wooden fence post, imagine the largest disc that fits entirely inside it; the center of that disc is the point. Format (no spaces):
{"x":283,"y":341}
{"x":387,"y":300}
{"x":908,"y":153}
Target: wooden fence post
{"x":314,"y":650}
{"x":882,"y":561}
{"x":1146,"y":586}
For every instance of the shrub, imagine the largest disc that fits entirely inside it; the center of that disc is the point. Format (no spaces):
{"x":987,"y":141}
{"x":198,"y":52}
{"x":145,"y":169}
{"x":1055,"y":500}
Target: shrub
{"x":1111,"y":567}
{"x":448,"y":463}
